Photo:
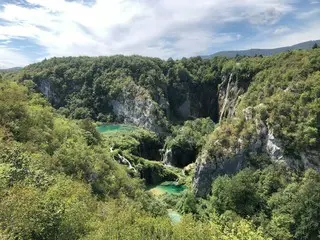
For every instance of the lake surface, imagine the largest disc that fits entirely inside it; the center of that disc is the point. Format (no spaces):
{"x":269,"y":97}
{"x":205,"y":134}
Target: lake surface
{"x":167,"y":187}
{"x":115,"y":128}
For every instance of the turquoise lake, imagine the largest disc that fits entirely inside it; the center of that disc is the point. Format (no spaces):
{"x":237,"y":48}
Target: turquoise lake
{"x":115,"y":128}
{"x":169,"y":188}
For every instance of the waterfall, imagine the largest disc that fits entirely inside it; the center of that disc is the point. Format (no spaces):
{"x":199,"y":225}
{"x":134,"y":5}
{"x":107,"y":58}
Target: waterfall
{"x":167,"y":157}
{"x":226,"y":98}
{"x":123,"y":160}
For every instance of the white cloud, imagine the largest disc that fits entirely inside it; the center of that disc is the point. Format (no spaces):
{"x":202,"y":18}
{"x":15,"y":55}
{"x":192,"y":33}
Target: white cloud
{"x":301,"y":34}
{"x":144,"y":27}
{"x":308,"y":14}
{"x":12,"y":58}
{"x":281,"y":30}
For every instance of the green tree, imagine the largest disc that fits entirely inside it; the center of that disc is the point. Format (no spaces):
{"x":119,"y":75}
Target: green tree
{"x":238,"y":193}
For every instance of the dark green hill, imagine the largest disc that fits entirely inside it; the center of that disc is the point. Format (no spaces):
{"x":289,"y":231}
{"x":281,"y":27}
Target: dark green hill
{"x":14,"y":69}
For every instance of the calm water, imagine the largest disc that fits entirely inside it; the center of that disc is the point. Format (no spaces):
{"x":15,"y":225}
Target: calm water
{"x":167,"y":187}
{"x":114,"y":127}
{"x":170,"y":188}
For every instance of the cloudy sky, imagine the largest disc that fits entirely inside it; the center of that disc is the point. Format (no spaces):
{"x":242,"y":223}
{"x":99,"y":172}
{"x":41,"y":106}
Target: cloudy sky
{"x":31,"y":30}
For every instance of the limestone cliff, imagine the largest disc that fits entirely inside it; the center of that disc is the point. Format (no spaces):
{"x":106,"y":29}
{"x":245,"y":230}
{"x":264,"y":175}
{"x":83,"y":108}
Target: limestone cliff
{"x":133,"y":105}
{"x":136,"y":107}
{"x":229,"y":94}
{"x":179,"y":157}
{"x":230,"y":158}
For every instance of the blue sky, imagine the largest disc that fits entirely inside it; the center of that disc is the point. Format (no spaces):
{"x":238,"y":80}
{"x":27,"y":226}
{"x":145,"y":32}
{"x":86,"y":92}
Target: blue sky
{"x":31,"y":30}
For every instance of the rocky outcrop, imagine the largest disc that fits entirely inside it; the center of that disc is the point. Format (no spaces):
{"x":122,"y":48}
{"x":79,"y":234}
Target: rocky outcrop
{"x":56,"y":93}
{"x":207,"y":171}
{"x":187,"y":170}
{"x":274,"y":148}
{"x":229,"y":93}
{"x":210,"y":166}
{"x":136,"y":107}
{"x":45,"y":88}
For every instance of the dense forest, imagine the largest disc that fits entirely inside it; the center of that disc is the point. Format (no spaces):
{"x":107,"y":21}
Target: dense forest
{"x":242,"y":134}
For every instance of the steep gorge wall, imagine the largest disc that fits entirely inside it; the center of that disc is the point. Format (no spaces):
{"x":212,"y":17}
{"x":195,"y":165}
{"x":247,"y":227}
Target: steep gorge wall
{"x":219,"y":102}
{"x":269,"y":111}
{"x":209,"y":167}
{"x":229,"y":92}
{"x":134,"y":104}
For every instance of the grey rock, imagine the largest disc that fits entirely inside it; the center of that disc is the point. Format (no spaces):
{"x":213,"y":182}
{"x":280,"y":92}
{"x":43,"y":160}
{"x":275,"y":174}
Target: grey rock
{"x":207,"y":171}
{"x":274,"y":147}
{"x":138,"y":109}
{"x":210,"y":167}
{"x":167,"y":157}
{"x":179,"y":157}
{"x":230,"y":91}
{"x":185,"y":109}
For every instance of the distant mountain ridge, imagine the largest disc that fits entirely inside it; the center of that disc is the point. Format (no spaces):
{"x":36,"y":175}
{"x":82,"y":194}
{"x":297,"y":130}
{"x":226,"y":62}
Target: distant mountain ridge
{"x":10,"y":69}
{"x":264,"y":52}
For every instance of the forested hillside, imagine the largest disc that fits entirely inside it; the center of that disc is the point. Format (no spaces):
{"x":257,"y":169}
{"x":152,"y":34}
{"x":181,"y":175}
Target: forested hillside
{"x":58,"y":180}
{"x":242,"y":135}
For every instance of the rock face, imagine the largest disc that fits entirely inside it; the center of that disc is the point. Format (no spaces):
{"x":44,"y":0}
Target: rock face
{"x":274,"y":148}
{"x":210,"y":166}
{"x":207,"y":171}
{"x":179,"y":157}
{"x":155,"y":173}
{"x":190,"y":100}
{"x":229,"y":92}
{"x":46,"y":89}
{"x":139,"y":109}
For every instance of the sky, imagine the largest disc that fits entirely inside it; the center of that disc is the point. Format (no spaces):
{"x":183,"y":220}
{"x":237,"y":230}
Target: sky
{"x":32,"y":30}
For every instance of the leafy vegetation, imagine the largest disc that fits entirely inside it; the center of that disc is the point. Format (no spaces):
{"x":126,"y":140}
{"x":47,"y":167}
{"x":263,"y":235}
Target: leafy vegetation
{"x":282,"y":101}
{"x":284,"y":203}
{"x":86,"y":87}
{"x":186,"y":141}
{"x":61,"y":179}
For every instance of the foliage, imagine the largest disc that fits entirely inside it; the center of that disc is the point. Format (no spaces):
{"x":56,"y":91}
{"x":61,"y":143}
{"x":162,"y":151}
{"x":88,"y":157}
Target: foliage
{"x":191,"y":135}
{"x":60,"y":179}
{"x":285,"y":204}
